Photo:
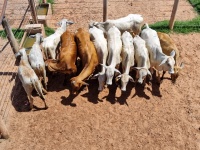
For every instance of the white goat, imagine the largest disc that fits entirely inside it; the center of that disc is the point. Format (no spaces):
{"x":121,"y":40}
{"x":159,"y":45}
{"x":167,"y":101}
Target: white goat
{"x":131,"y":23}
{"x":141,"y":59}
{"x":127,"y":60}
{"x":114,"y":51}
{"x":168,"y":45}
{"x":158,"y":59}
{"x":36,"y":58}
{"x":51,"y":42}
{"x":28,"y":78}
{"x":100,"y":44}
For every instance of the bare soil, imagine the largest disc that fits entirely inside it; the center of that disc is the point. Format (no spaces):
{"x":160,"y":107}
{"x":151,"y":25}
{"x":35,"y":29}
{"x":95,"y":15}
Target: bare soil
{"x":165,"y":117}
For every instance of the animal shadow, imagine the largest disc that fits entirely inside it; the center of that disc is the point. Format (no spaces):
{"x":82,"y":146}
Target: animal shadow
{"x":111,"y":95}
{"x":125,"y":94}
{"x":19,"y":98}
{"x":92,"y":94}
{"x":155,"y":86}
{"x":140,"y":88}
{"x":140,"y":91}
{"x":55,"y":82}
{"x":68,"y":101}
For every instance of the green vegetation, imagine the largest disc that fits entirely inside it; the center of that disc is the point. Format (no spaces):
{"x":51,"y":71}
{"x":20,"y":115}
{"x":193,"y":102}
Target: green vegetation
{"x":49,"y":31}
{"x":17,"y":33}
{"x":48,"y":1}
{"x":179,"y":26}
{"x":195,"y":4}
{"x":162,"y":26}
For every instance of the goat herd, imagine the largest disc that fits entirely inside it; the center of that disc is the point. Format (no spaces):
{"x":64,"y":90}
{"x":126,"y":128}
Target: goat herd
{"x":106,"y":43}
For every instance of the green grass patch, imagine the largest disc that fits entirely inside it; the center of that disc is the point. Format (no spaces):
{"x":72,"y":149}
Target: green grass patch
{"x":195,"y":4}
{"x":179,"y":26}
{"x":17,"y":33}
{"x":48,"y":1}
{"x":49,"y":31}
{"x":161,"y":26}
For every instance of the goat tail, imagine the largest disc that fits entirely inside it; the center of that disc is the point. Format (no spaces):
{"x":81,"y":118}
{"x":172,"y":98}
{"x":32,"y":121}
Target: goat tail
{"x":38,"y":87}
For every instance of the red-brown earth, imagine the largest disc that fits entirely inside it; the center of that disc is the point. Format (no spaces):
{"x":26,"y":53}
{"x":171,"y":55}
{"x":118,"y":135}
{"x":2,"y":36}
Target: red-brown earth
{"x":164,"y":117}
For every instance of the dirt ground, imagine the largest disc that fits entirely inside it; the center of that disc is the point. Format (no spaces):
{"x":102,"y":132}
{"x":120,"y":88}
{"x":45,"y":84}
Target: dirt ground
{"x":165,"y":117}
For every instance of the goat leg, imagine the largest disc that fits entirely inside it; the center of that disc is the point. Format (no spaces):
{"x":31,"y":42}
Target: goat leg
{"x":30,"y":102}
{"x":158,"y":77}
{"x":163,"y":75}
{"x":45,"y":80}
{"x":44,"y":91}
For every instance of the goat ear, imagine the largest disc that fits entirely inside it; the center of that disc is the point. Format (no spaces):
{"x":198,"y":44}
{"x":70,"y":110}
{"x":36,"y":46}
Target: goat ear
{"x":57,"y":24}
{"x":32,"y":36}
{"x":95,"y":76}
{"x":70,"y":22}
{"x":164,"y":60}
{"x":42,"y":39}
{"x":17,"y":54}
{"x":73,"y":82}
{"x":84,"y":83}
{"x":118,"y":77}
{"x":181,"y":65}
{"x":95,"y":23}
{"x":149,"y":73}
{"x":173,"y":53}
{"x":136,"y":68}
{"x":131,"y":79}
{"x":105,"y":23}
{"x":104,"y":66}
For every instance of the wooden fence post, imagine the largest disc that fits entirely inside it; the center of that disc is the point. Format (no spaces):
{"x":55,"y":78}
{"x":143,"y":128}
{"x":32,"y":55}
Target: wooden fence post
{"x":105,"y":4}
{"x":3,"y":129}
{"x":33,"y":11}
{"x":10,"y":36}
{"x":173,"y":15}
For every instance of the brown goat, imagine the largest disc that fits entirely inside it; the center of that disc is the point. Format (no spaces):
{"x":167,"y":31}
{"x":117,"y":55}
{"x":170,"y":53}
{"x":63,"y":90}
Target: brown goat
{"x":88,"y":56}
{"x":67,"y":57}
{"x":168,"y":45}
